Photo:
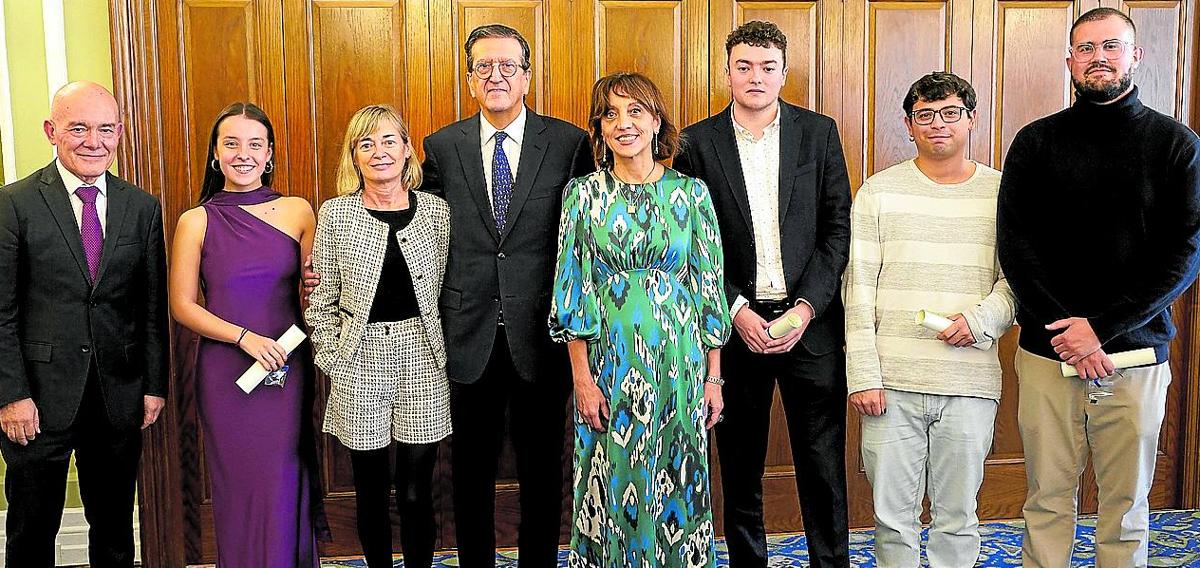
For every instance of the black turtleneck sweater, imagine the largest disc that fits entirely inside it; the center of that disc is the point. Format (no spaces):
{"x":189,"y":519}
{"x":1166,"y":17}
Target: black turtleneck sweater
{"x":1099,"y":217}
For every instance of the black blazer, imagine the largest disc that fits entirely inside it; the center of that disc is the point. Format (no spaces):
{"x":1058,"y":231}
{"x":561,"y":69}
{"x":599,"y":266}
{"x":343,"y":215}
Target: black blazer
{"x":53,"y":321}
{"x":487,"y":270}
{"x":814,"y":212}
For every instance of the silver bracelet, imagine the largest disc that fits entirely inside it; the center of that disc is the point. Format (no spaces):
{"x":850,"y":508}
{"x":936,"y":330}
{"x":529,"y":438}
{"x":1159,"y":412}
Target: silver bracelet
{"x":715,"y":380}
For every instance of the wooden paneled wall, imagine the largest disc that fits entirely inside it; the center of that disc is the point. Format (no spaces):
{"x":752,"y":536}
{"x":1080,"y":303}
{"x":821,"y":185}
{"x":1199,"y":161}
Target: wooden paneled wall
{"x":311,"y":63}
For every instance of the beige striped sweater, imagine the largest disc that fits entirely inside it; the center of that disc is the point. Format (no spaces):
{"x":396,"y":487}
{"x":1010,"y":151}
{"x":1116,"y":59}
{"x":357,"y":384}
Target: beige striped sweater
{"x":916,"y":244}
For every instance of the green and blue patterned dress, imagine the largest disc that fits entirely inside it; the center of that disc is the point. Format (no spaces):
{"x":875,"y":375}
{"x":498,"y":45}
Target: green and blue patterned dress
{"x":640,"y":278}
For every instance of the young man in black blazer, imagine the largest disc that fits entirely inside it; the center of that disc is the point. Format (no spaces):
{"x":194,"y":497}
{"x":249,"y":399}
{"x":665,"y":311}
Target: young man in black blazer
{"x":778,"y":181}
{"x":83,"y":336}
{"x":503,"y":171}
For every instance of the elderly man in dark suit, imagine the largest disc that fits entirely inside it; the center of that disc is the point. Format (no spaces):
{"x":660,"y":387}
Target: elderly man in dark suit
{"x":778,"y":181}
{"x":83,"y":335}
{"x":503,"y":171}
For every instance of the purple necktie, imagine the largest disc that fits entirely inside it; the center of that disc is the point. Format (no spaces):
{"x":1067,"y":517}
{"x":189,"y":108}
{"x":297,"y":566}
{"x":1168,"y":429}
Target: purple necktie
{"x":89,"y":228}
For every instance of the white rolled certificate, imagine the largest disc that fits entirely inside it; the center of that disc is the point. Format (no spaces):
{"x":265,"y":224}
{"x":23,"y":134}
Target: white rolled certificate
{"x":1122,"y":360}
{"x":939,"y":323}
{"x":785,"y":326}
{"x":256,"y":373}
{"x":930,"y":320}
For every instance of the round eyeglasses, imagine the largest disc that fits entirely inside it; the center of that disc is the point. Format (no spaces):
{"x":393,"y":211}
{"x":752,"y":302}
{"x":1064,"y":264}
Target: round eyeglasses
{"x":483,"y":69}
{"x":949,"y":114}
{"x":1111,"y":48}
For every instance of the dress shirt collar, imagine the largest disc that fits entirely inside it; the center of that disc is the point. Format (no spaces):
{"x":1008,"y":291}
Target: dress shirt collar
{"x":515,"y":130}
{"x":72,"y":182}
{"x":744,"y":134}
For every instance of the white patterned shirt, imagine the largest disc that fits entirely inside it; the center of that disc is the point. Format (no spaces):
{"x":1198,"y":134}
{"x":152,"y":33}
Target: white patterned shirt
{"x":760,"y":170}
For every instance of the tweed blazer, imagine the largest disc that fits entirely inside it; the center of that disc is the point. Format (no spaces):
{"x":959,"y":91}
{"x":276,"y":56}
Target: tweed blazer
{"x":348,"y":252}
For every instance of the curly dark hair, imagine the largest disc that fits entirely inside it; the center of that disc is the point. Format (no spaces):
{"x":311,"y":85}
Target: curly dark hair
{"x":757,"y":33}
{"x":937,"y":86}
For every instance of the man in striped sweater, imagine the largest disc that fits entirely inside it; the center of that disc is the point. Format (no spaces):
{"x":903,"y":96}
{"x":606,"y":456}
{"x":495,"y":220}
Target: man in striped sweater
{"x":923,"y":237}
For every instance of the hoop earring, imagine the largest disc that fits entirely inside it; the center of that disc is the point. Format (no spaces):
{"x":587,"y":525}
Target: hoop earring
{"x":214,"y":165}
{"x":270,"y":167}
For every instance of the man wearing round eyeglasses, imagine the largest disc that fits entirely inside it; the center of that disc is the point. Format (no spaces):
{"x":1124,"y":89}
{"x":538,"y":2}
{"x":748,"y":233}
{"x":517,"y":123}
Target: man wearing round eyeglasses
{"x":1098,"y":232}
{"x":503,"y":171}
{"x":923,"y":236}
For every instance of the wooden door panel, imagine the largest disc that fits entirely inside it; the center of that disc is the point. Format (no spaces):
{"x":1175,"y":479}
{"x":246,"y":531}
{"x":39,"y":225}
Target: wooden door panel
{"x":1162,"y":31}
{"x":656,"y":53}
{"x":894,"y":62}
{"x":358,"y":59}
{"x":1032,"y":80}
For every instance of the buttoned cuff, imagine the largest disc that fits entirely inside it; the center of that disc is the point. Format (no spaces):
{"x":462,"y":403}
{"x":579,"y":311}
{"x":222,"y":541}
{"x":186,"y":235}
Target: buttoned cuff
{"x":738,"y":303}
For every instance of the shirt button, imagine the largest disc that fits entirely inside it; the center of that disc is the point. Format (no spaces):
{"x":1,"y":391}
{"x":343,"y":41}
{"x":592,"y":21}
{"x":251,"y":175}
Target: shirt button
{"x":419,"y":276}
{"x":501,"y":256}
{"x":85,"y":349}
{"x":404,"y":239}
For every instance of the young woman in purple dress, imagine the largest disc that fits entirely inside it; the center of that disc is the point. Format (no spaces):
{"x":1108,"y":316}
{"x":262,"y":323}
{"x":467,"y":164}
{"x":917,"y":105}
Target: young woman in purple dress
{"x":242,"y":247}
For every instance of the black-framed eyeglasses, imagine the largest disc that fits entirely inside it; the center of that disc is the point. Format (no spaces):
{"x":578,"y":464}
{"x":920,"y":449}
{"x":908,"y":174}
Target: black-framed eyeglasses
{"x":1111,"y":48}
{"x":483,"y":69}
{"x":949,"y":114}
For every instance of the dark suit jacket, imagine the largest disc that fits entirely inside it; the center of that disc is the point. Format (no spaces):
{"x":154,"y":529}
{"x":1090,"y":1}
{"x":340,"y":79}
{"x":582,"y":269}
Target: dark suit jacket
{"x":814,"y":212}
{"x":489,"y":271}
{"x":53,"y":321}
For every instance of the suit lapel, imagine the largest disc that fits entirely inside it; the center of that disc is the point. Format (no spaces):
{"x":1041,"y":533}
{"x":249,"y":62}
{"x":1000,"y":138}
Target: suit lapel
{"x":470,"y":155}
{"x":55,"y":194}
{"x":789,"y":150}
{"x":726,"y":149}
{"x":533,"y":150}
{"x":116,"y":209}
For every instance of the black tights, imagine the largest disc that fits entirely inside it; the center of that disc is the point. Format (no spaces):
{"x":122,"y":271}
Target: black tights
{"x":414,"y":499}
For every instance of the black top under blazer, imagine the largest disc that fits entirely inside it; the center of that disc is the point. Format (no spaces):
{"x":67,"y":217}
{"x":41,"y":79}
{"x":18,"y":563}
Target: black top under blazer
{"x":514,"y":270}
{"x":814,"y":212}
{"x":53,"y":321}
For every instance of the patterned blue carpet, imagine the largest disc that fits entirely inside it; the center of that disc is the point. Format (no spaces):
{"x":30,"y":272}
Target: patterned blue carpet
{"x":1174,"y":541}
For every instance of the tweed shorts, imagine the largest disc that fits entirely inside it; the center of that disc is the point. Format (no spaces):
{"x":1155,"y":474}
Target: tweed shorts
{"x":391,"y":389}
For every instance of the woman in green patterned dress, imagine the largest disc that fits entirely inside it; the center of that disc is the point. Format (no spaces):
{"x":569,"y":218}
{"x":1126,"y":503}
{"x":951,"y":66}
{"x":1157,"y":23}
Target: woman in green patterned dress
{"x":639,"y":298}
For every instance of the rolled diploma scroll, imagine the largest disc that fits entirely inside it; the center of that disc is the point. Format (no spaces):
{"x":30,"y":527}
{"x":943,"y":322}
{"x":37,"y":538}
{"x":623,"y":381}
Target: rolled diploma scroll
{"x":1122,"y":360}
{"x":785,"y":326}
{"x":935,"y":322}
{"x":256,"y":373}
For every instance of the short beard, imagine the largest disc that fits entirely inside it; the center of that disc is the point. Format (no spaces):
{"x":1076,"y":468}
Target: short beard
{"x":1105,"y":92}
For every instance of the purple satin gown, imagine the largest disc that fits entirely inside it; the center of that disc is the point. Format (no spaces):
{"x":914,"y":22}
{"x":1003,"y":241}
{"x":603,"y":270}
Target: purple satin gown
{"x":254,"y":443}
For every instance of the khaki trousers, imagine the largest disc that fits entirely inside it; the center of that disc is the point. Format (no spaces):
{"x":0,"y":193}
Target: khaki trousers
{"x":1059,"y":428}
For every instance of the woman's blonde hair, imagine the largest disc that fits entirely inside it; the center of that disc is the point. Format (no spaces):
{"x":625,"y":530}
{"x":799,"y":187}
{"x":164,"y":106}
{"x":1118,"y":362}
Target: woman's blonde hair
{"x":362,"y":124}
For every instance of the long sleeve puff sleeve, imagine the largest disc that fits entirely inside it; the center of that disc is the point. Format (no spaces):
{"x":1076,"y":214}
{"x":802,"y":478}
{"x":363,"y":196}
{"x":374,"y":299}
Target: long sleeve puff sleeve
{"x":706,"y":269}
{"x":574,"y":310}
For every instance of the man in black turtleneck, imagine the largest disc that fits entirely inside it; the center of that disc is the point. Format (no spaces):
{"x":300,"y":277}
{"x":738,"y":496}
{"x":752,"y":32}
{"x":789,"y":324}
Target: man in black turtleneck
{"x":1098,"y":233}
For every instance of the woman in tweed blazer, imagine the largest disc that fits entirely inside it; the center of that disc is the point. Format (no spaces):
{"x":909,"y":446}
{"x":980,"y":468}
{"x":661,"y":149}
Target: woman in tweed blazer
{"x":381,"y":251}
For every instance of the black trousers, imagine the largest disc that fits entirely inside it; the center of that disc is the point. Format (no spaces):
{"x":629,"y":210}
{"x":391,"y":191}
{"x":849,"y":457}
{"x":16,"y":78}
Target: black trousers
{"x":535,"y":416}
{"x":813,"y":392}
{"x":414,"y":500}
{"x":35,"y":485}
